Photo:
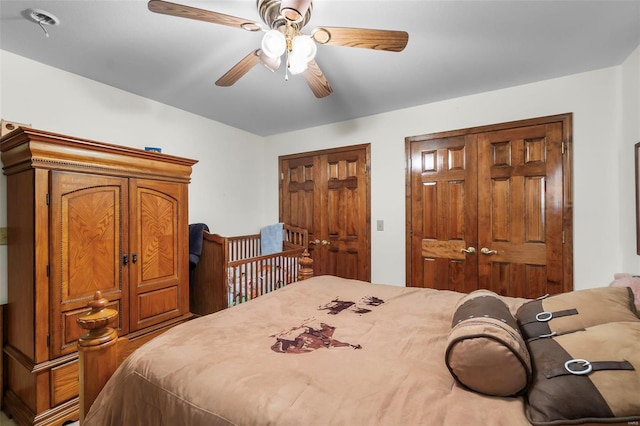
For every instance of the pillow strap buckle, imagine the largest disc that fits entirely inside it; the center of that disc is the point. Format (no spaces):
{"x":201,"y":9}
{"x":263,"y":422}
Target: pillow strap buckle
{"x":546,"y":316}
{"x":586,"y":367}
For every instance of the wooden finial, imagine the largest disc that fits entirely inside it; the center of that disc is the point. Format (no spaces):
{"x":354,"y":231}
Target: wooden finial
{"x":306,"y":263}
{"x":97,"y":351}
{"x":96,"y":321}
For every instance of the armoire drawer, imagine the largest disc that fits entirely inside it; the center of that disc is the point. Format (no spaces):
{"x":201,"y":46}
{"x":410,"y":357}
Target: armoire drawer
{"x":64,"y":382}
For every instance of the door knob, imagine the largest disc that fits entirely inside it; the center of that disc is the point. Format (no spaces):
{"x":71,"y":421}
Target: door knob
{"x":325,"y":242}
{"x":469,"y":250}
{"x":487,"y":251}
{"x":314,"y":242}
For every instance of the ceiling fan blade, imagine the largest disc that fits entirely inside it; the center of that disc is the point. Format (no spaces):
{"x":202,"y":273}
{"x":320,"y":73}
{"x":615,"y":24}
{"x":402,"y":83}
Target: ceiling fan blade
{"x":316,"y":80}
{"x":239,"y":69}
{"x":173,"y":9}
{"x":394,"y":41}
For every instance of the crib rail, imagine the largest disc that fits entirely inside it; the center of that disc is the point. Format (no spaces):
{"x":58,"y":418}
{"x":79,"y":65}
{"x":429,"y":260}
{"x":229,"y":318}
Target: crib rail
{"x":295,"y":237}
{"x":253,"y":277}
{"x":247,"y":246}
{"x":232,"y":270}
{"x":243,"y":247}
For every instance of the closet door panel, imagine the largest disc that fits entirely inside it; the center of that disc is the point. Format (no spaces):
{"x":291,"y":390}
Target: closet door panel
{"x":345,"y":222}
{"x":297,"y":200}
{"x":516,"y":232}
{"x":87,"y":242}
{"x":443,"y":222}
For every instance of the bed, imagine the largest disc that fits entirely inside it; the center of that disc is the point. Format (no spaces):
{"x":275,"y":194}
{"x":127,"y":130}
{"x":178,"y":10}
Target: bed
{"x":233,"y":270}
{"x":331,"y":351}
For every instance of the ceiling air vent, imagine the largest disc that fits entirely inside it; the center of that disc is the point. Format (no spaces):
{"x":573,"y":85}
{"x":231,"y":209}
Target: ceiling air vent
{"x":43,"y":18}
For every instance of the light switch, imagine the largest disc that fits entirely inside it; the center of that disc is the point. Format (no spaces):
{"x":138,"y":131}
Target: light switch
{"x":380,"y":224}
{"x":3,"y":237}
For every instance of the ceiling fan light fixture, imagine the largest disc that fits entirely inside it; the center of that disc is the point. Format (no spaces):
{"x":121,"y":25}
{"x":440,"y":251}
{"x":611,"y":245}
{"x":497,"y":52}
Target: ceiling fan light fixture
{"x":296,"y":64}
{"x":272,"y":64}
{"x":304,"y":47}
{"x":294,"y":10}
{"x":274,"y":43}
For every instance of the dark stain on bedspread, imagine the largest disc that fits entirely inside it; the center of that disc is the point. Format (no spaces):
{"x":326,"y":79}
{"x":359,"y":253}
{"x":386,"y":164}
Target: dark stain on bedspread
{"x":309,"y":340}
{"x":372,"y":301}
{"x":306,"y":338}
{"x":336,"y":305}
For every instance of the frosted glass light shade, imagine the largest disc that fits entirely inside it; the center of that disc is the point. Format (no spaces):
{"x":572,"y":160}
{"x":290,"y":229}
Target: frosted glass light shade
{"x":297,"y":64}
{"x":272,"y":64}
{"x":274,"y":44}
{"x":304,"y":47}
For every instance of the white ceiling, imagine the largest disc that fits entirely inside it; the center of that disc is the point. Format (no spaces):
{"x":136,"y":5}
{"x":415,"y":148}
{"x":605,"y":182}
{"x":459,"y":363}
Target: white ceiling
{"x":455,"y":48}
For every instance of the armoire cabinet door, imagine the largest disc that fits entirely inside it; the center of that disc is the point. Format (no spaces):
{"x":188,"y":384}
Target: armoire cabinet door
{"x":158,"y":253}
{"x":88,"y":235}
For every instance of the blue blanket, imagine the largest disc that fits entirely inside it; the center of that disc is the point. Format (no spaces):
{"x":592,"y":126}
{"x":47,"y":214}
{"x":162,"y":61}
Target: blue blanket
{"x":271,"y":239}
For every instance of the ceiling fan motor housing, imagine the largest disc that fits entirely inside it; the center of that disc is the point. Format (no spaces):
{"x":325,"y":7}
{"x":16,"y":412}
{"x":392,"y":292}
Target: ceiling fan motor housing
{"x":270,"y":13}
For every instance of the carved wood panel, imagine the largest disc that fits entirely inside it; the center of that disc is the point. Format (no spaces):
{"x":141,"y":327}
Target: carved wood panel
{"x":87,"y":241}
{"x":158,"y":226}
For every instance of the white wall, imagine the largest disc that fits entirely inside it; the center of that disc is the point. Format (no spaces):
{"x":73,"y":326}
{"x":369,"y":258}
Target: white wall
{"x":630,"y":135}
{"x":57,"y":101}
{"x":604,"y":104}
{"x":3,"y":218}
{"x":594,"y":98}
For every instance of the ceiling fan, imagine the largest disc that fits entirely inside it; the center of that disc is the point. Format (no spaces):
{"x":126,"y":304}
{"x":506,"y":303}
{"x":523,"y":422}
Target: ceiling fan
{"x":283,"y":37}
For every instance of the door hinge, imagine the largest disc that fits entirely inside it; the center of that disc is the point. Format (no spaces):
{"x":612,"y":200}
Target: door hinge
{"x":563,"y":147}
{"x":281,"y":176}
{"x":48,"y":199}
{"x":562,"y":237}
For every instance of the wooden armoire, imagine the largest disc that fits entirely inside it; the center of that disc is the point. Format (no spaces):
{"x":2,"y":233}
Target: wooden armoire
{"x":84,"y":216}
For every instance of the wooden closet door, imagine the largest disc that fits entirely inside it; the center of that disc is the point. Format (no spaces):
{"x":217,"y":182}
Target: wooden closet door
{"x":502,"y":192}
{"x":345,"y":217}
{"x":443,"y":225}
{"x":327,"y":192}
{"x":298,"y":182}
{"x":520,"y":211}
{"x":158,"y":227}
{"x":88,"y":239}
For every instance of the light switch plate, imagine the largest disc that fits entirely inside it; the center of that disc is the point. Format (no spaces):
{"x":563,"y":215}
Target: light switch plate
{"x":4,"y":237}
{"x":380,"y":224}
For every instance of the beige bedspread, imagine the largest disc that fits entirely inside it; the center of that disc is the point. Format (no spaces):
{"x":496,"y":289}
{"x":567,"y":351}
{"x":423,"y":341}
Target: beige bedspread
{"x":305,"y":355}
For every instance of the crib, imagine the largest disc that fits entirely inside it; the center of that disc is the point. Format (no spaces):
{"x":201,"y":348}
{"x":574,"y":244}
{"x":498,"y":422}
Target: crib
{"x":231,"y":270}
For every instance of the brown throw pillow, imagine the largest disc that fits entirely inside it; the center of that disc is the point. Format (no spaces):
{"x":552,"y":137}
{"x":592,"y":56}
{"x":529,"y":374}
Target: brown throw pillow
{"x":603,"y":385}
{"x":576,"y":310}
{"x":485,"y":351}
